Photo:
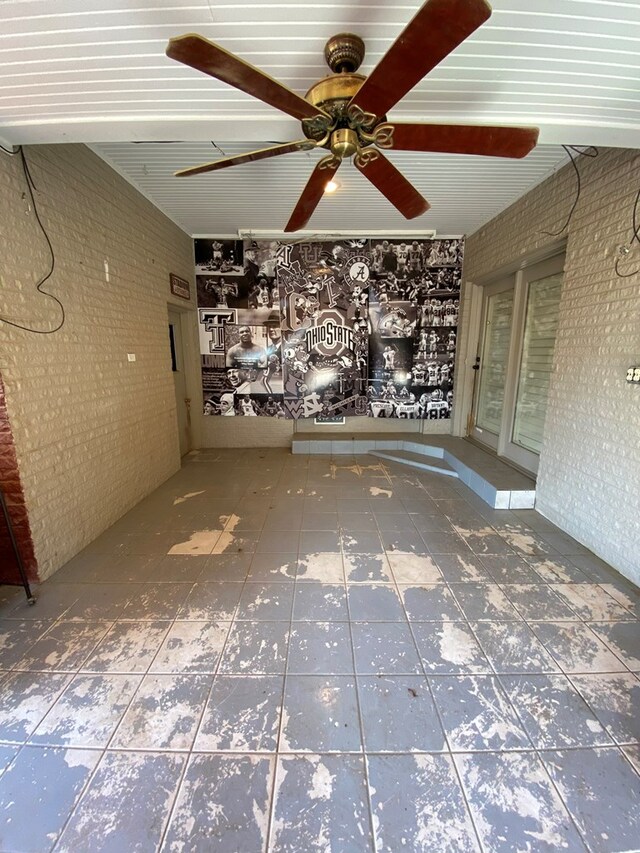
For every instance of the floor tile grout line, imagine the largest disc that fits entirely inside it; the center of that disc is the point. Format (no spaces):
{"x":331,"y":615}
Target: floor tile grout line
{"x":570,"y":678}
{"x":562,"y":800}
{"x":554,"y":656}
{"x":363,"y":744}
{"x":536,"y":751}
{"x":443,"y":729}
{"x":613,"y":746}
{"x":276,"y":757}
{"x":79,"y":799}
{"x":17,"y":668}
{"x":505,"y":589}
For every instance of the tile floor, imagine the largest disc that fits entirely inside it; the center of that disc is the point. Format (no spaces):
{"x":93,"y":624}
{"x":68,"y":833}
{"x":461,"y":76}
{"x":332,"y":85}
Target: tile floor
{"x":284,"y":653}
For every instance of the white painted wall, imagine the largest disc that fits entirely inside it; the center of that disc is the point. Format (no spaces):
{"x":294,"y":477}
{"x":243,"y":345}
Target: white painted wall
{"x":589,"y":478}
{"x":94,"y":433}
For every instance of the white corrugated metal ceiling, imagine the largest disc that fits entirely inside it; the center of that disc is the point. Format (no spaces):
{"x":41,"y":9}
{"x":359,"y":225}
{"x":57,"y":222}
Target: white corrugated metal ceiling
{"x":95,"y":71}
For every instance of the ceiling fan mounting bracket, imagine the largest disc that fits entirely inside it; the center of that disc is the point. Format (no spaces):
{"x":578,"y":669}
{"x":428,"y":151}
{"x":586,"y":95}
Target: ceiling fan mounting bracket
{"x":334,"y":96}
{"x":344,"y":52}
{"x":329,"y":162}
{"x":382,"y":135}
{"x":364,"y":157}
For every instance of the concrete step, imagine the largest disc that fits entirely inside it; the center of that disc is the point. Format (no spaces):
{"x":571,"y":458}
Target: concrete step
{"x":416,"y":460}
{"x":497,"y":483}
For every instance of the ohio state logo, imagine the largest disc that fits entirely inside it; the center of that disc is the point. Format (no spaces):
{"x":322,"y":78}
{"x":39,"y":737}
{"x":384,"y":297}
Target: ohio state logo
{"x":330,"y":337}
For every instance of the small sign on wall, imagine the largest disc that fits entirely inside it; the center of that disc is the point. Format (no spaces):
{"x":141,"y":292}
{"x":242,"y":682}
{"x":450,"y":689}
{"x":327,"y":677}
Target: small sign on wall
{"x":633,"y":374}
{"x":179,"y":286}
{"x":330,"y":420}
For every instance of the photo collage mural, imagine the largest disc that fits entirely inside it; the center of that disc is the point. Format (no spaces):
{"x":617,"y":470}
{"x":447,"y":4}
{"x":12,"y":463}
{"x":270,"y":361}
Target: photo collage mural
{"x":328,"y":329}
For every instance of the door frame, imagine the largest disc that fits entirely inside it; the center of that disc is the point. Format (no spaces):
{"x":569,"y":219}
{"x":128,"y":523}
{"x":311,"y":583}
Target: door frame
{"x":526,"y":459}
{"x":485,"y":436}
{"x":176,"y":318}
{"x":518,"y":270}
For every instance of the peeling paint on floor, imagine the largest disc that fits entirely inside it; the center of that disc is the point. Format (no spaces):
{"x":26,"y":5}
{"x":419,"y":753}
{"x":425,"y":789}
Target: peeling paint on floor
{"x":351,"y":659}
{"x":186,"y":497}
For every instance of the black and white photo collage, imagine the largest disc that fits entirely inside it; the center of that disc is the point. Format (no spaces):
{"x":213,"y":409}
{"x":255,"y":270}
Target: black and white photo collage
{"x":323,"y":296}
{"x":239,"y":326}
{"x":325,"y":329}
{"x":414,"y":304}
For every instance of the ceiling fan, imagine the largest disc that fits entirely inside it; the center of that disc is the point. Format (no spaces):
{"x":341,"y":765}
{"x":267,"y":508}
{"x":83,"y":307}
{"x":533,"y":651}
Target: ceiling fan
{"x":345,"y":112}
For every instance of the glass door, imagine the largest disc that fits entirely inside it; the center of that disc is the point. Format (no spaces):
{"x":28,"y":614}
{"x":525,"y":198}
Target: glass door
{"x":537,"y":324}
{"x":515,"y":361}
{"x":497,"y":318}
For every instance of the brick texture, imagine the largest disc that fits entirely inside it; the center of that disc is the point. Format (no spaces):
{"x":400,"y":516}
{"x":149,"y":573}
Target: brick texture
{"x":93,"y":432}
{"x":589,"y":478}
{"x":14,"y":496}
{"x":272,"y":432}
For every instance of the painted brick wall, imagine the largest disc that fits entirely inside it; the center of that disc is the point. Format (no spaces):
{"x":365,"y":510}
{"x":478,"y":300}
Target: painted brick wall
{"x":271,"y":432}
{"x":245,"y":432}
{"x":359,"y":425}
{"x":93,"y":432}
{"x":589,"y":479}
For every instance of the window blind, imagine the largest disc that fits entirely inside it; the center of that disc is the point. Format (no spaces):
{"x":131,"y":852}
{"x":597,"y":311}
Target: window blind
{"x":541,"y":324}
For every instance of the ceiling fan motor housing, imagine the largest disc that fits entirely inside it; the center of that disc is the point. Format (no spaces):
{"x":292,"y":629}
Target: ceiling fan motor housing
{"x":344,"y":143}
{"x":333,"y":93}
{"x":343,"y":53}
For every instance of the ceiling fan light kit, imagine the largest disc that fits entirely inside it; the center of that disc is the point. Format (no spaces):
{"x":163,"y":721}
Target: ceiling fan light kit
{"x":345,"y":112}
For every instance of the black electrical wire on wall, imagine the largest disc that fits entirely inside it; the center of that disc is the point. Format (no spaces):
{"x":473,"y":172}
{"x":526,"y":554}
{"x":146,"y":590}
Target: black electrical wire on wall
{"x":52,"y":264}
{"x":635,"y":238}
{"x":582,"y":151}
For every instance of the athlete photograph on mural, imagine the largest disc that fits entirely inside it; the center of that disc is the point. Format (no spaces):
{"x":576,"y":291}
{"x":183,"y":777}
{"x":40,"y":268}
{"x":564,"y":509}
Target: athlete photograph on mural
{"x":260,"y":260}
{"x":245,"y":379}
{"x":218,"y":256}
{"x":219,"y":291}
{"x":438,"y":304}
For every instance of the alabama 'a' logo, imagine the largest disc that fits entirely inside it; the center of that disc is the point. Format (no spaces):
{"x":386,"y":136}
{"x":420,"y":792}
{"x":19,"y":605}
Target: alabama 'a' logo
{"x":358,"y":270}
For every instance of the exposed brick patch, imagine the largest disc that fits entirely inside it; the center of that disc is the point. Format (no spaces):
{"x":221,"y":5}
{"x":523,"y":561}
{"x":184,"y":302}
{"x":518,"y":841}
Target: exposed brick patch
{"x":14,"y":496}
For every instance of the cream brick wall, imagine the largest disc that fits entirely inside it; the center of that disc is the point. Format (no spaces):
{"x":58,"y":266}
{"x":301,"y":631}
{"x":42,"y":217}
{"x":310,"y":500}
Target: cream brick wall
{"x":245,"y":432}
{"x":93,"y":432}
{"x":271,"y":432}
{"x":589,"y":479}
{"x":360,"y":425}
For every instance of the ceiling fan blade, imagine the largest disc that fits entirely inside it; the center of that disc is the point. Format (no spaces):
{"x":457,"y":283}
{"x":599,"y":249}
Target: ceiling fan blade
{"x":464,"y":139}
{"x":249,"y":157}
{"x":394,"y":186}
{"x":438,"y":28}
{"x":205,"y":56}
{"x":311,"y":195}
